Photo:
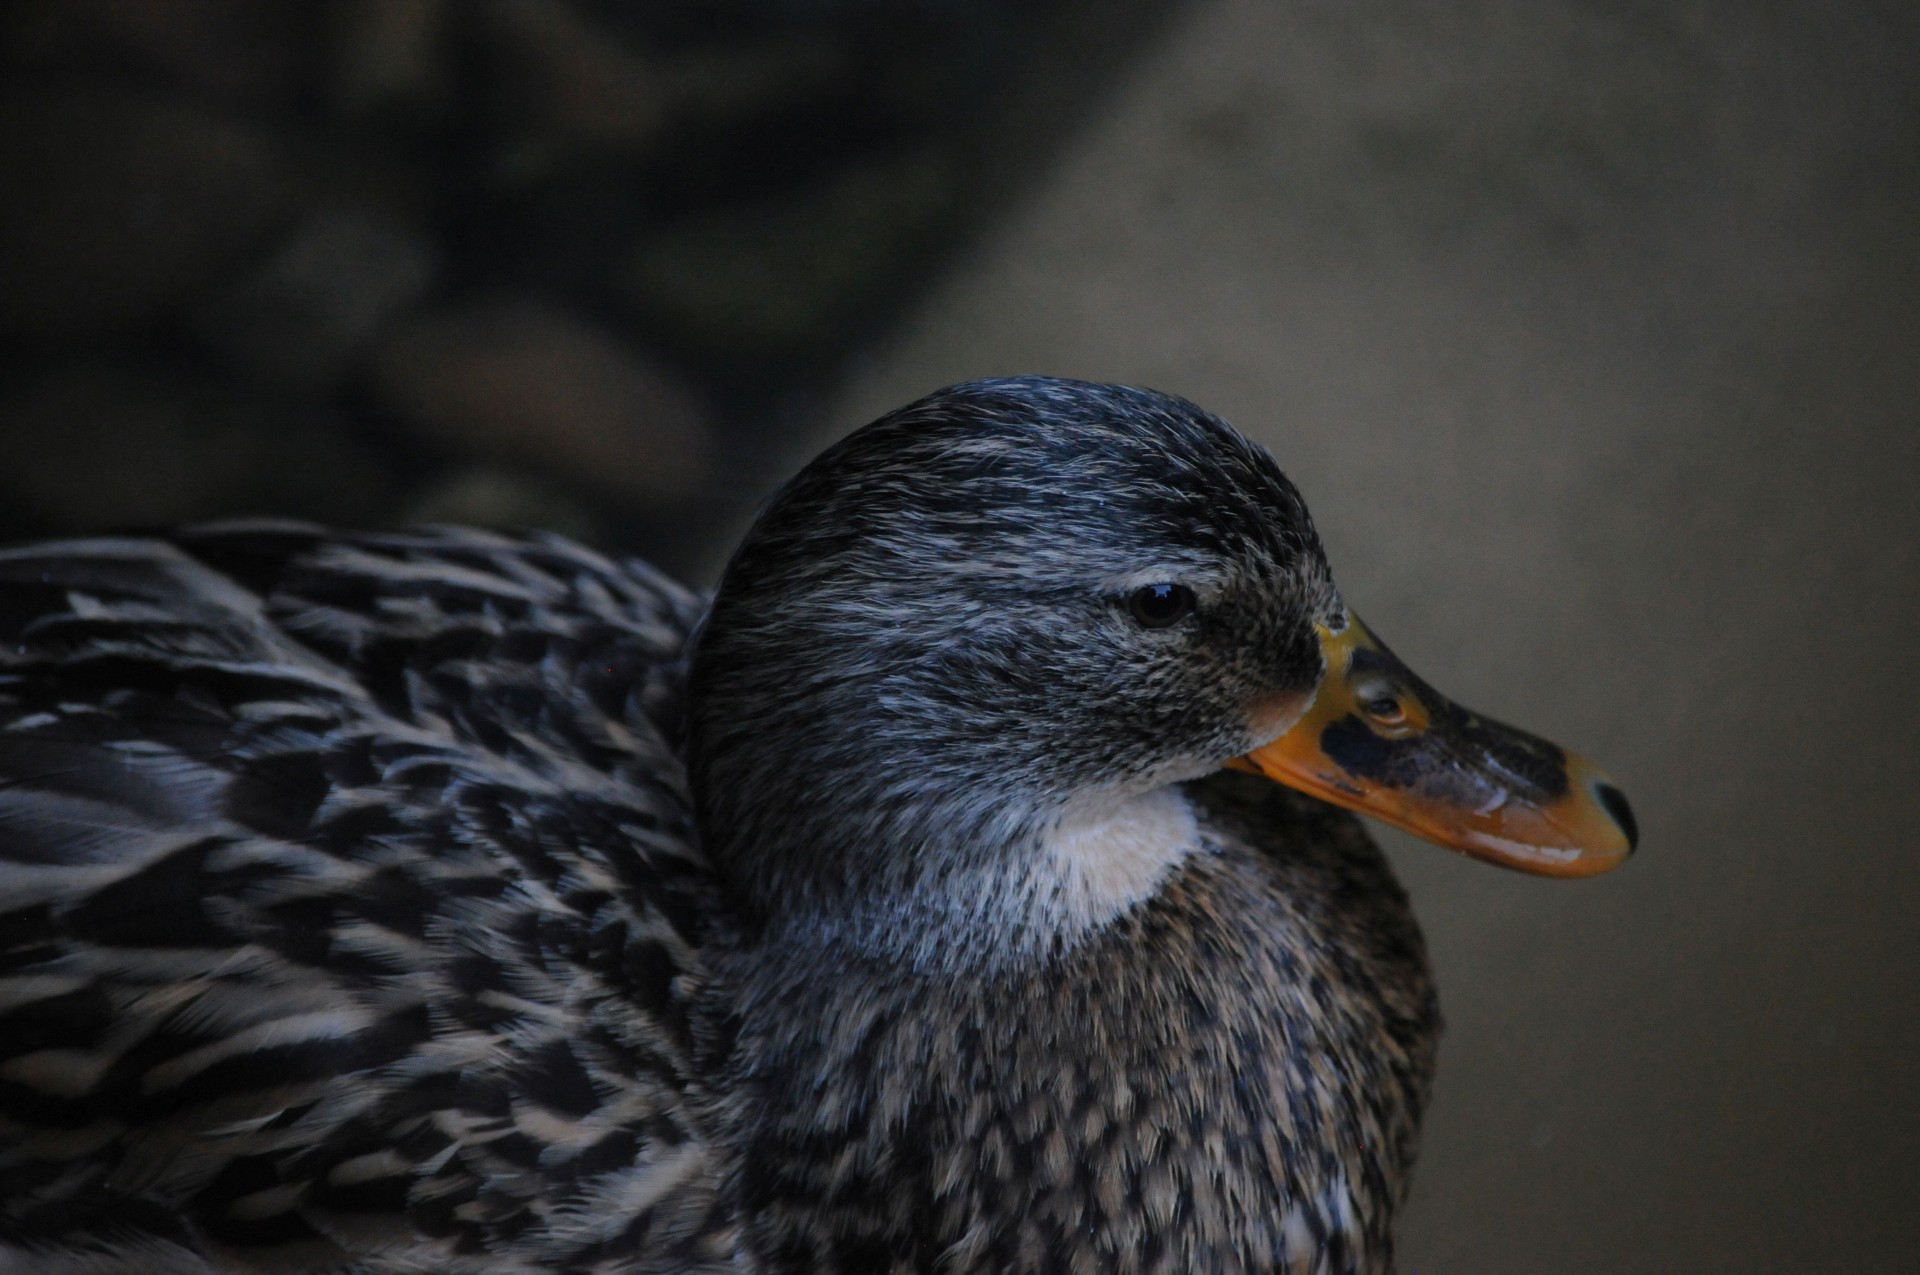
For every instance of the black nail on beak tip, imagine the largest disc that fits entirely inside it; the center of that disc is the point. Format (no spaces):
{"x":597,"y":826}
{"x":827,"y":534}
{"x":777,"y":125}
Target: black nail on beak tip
{"x":1616,"y":805}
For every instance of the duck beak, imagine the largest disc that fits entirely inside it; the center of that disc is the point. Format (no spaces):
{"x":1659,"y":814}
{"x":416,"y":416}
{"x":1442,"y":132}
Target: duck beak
{"x":1379,"y":740}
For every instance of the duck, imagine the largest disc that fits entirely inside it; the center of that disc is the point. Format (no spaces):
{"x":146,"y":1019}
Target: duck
{"x":972,"y":883}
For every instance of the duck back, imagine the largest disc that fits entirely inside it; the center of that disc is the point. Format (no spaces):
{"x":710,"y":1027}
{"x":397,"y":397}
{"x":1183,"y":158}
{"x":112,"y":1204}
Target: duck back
{"x":350,"y":911}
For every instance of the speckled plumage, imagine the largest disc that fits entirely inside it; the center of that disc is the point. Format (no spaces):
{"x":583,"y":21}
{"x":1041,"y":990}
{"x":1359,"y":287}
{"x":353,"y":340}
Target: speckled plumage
{"x":1228,"y":1079}
{"x":361,"y":909}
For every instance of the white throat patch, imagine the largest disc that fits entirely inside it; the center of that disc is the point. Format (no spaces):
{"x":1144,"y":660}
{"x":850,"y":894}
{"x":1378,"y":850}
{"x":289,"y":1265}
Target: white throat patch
{"x":1092,"y":868}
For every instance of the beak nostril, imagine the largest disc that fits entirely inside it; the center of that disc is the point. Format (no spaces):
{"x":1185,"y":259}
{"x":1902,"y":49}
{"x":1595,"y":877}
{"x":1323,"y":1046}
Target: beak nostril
{"x":1615,"y":803}
{"x":1385,"y":709}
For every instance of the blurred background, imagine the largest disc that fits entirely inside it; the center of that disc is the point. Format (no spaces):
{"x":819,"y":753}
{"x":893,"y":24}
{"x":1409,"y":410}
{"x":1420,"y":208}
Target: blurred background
{"x":581,"y":264}
{"x":1591,"y":333}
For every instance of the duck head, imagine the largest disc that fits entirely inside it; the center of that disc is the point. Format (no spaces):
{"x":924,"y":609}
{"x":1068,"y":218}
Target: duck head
{"x":1020,"y":610}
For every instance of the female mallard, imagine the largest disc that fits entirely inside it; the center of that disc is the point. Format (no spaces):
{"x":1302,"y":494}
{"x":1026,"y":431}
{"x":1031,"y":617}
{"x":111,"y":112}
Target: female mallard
{"x":363,"y":910}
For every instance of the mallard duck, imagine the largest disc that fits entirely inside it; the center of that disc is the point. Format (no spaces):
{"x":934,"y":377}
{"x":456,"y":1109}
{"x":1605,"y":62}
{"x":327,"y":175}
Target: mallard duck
{"x":455,"y":902}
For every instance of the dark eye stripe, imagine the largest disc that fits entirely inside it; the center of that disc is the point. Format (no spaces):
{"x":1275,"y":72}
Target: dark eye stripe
{"x":1157,"y":606}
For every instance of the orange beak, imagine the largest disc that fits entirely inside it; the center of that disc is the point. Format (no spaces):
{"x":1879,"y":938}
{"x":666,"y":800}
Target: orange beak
{"x":1379,"y":740}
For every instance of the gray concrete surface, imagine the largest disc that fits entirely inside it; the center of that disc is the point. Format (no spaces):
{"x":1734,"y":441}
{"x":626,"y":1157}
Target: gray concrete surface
{"x":1592,"y":334}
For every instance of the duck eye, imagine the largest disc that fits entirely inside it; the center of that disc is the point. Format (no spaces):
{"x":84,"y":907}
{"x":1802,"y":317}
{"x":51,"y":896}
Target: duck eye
{"x":1156,"y":606}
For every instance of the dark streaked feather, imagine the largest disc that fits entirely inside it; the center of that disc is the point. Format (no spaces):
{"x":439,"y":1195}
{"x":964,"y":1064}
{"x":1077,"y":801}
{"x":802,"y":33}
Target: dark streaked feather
{"x":349,"y":908}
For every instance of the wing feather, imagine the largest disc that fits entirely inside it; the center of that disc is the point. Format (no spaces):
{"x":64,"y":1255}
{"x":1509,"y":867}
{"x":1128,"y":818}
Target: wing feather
{"x":351,"y":916}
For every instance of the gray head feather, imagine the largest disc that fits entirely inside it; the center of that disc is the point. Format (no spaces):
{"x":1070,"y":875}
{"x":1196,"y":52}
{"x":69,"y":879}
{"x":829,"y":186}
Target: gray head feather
{"x":953,"y":579}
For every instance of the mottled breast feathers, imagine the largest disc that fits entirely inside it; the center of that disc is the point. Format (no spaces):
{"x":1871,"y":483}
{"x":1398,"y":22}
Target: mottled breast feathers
{"x":349,"y":909}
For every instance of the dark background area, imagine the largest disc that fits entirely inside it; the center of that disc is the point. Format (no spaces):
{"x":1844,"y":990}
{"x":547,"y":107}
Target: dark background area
{"x":579,"y":264}
{"x":1590,"y":332}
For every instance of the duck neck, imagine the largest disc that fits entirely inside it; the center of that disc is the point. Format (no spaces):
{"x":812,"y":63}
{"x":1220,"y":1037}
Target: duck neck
{"x":974,"y":894}
{"x":1205,"y":1077}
